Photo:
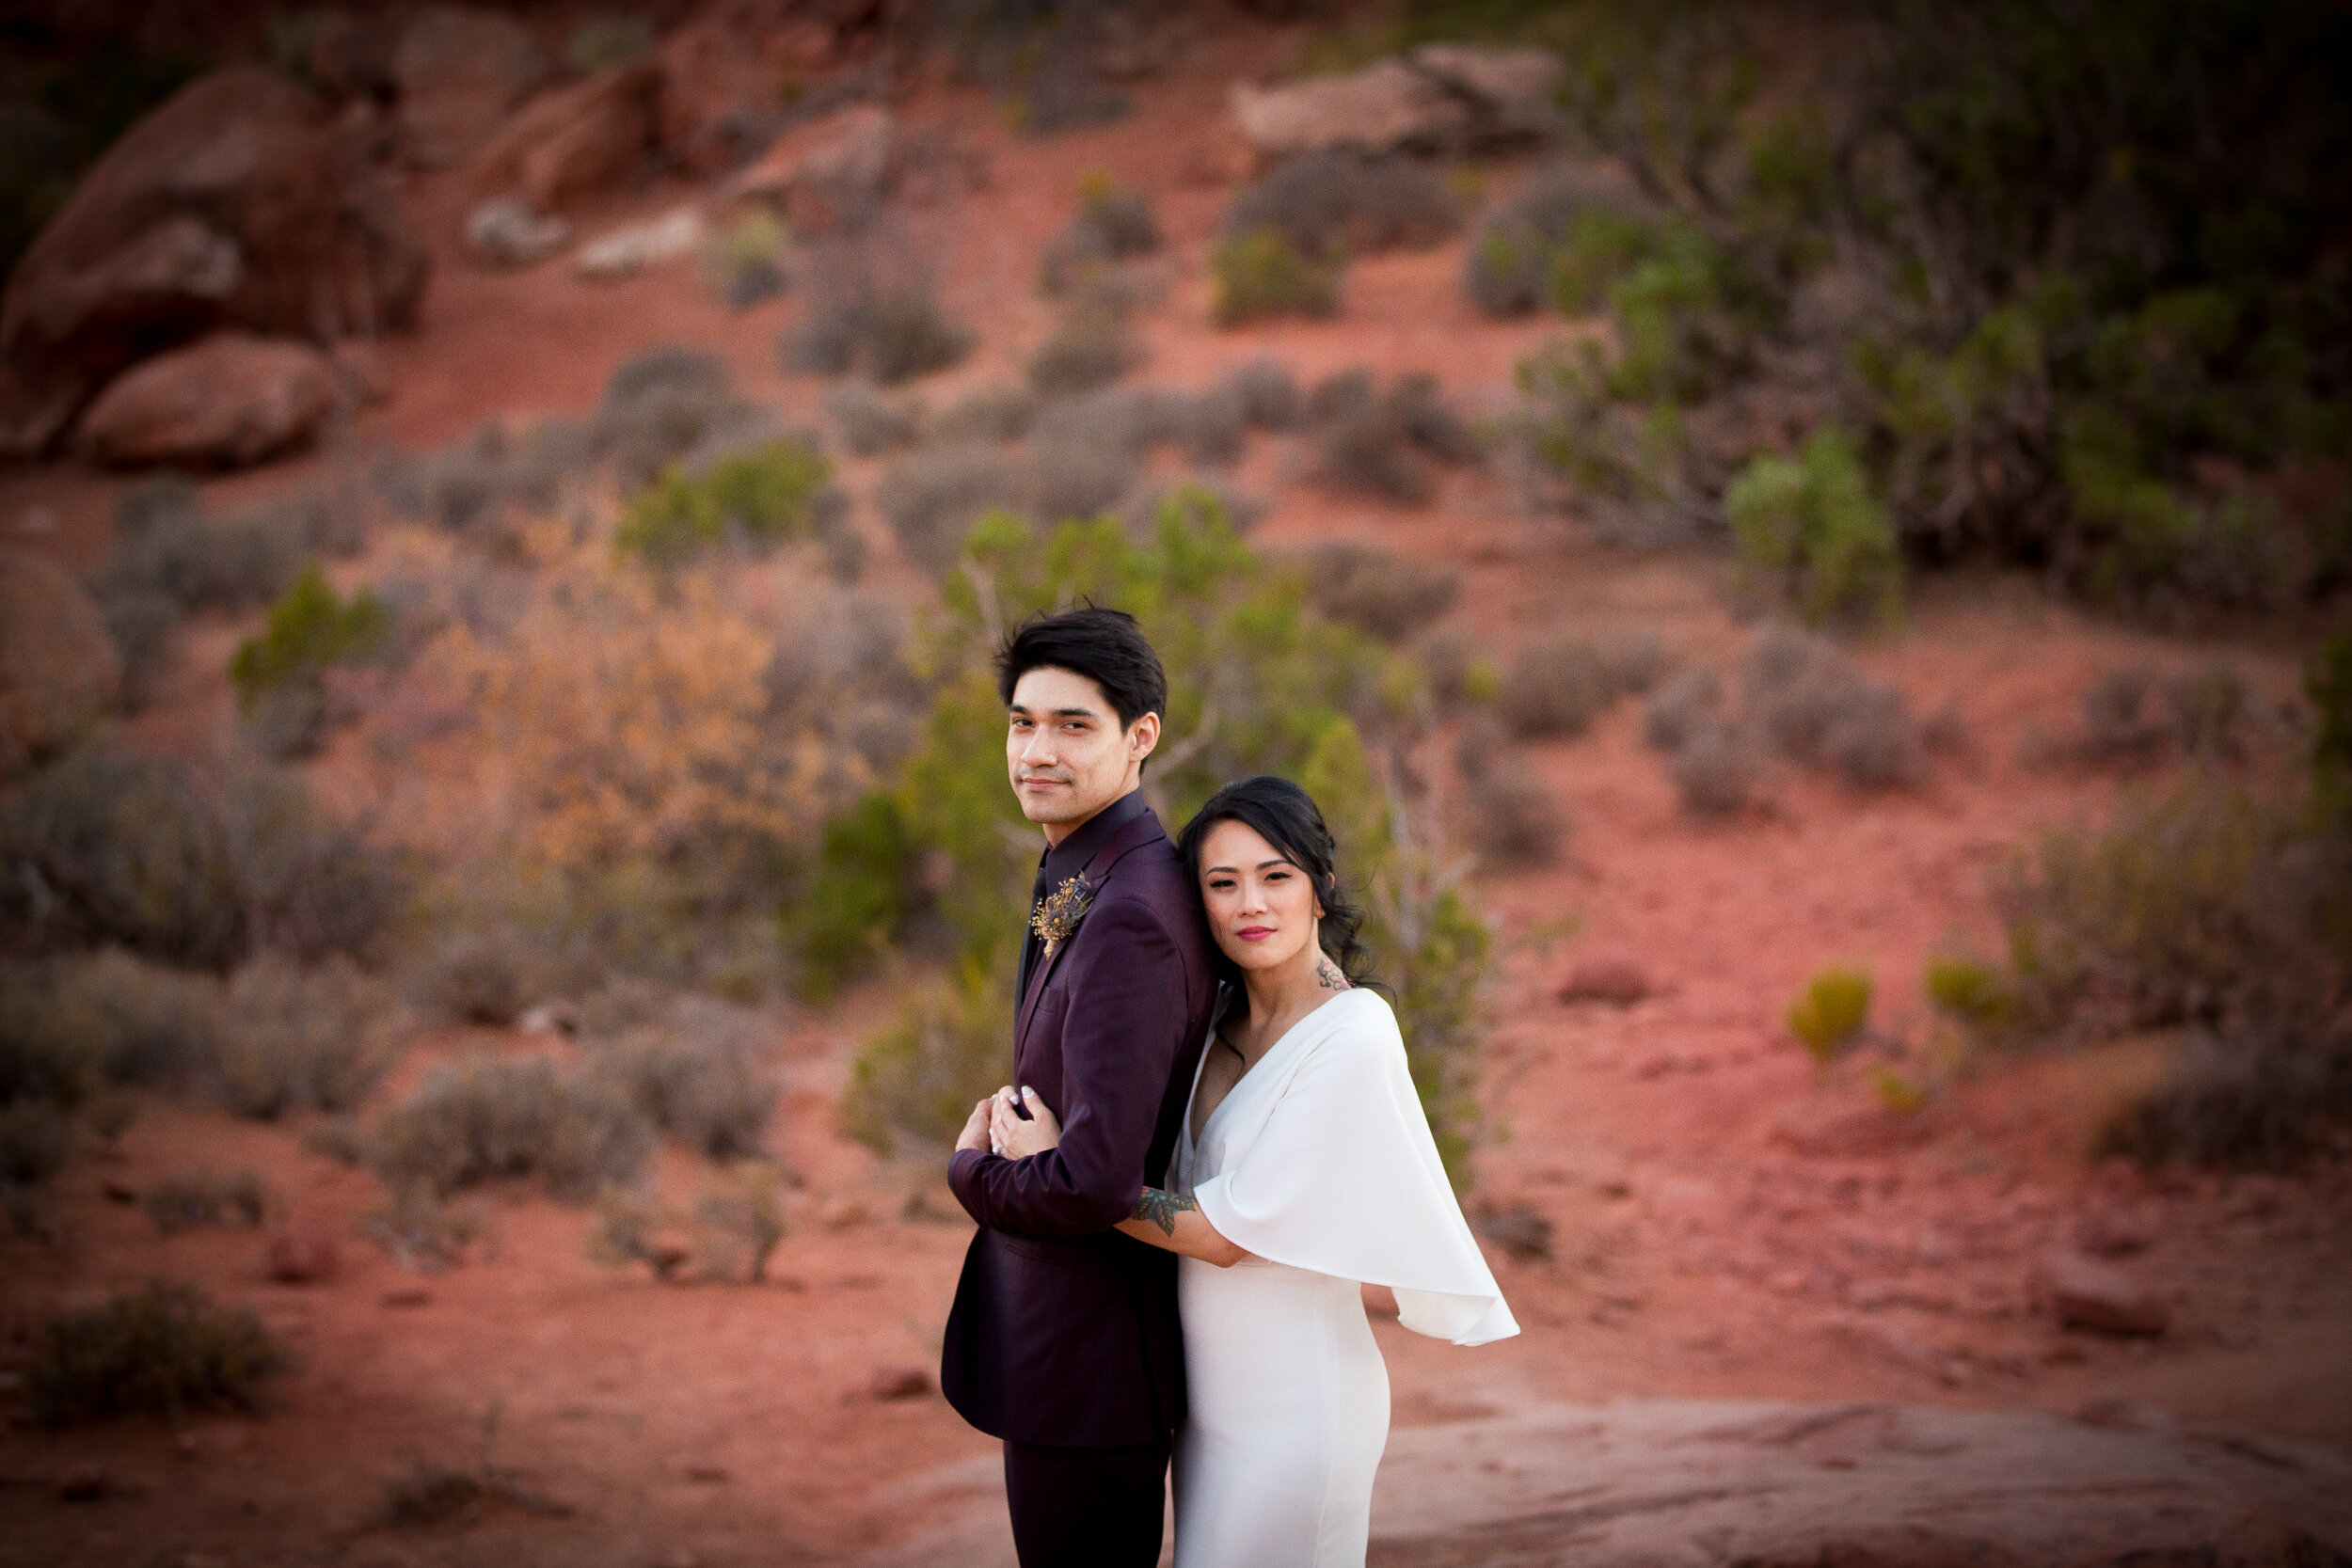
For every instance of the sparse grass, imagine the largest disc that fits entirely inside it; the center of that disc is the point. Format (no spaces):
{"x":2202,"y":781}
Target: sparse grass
{"x":196,"y":1199}
{"x":1260,"y":273}
{"x":1831,"y":1013}
{"x":296,"y":1039}
{"x":165,"y":1350}
{"x":871,"y":423}
{"x":484,"y":1118}
{"x":893,"y":333}
{"x":1369,"y":588}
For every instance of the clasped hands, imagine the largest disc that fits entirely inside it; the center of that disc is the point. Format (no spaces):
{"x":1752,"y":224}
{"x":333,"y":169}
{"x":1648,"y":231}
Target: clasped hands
{"x":995,"y":1126}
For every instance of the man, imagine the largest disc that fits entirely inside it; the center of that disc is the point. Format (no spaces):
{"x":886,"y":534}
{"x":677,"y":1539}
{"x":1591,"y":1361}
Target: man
{"x":1064,"y":1339}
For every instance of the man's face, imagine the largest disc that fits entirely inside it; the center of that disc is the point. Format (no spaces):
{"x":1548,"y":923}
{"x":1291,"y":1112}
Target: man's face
{"x":1065,"y":751}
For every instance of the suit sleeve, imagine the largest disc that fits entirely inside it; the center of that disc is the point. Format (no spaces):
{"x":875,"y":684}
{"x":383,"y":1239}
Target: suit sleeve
{"x":1122,"y":1031}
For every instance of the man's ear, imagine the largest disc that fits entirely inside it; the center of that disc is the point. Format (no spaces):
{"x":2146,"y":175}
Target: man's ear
{"x":1145,"y":735}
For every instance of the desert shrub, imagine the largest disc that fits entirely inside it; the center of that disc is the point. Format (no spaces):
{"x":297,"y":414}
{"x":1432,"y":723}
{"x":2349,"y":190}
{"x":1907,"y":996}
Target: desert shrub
{"x":772,"y":493}
{"x":741,"y":1217}
{"x":478,"y":976}
{"x":1092,"y":346}
{"x":891,"y":332}
{"x":1678,"y":709}
{"x":308,"y":630}
{"x":1066,"y":479}
{"x":486,"y":1117}
{"x":1558,"y":688}
{"x":196,"y":1199}
{"x":948,"y":1049}
{"x":1968,"y":990}
{"x":165,"y":1350}
{"x":36,"y":1139}
{"x":745,"y":263}
{"x":1328,"y":205}
{"x":2328,"y":683}
{"x":699,"y":1079}
{"x":1140,"y":511}
{"x":871,"y":423}
{"x":1543,"y":247}
{"x":1369,"y":588}
{"x":1112,"y":224}
{"x":1511,"y":817}
{"x":1129,"y":420}
{"x":2247,"y":1101}
{"x":1210,"y":426}
{"x":2135,"y":715}
{"x":599,"y":42}
{"x":312,"y":886}
{"x":1816,"y":708}
{"x":1379,"y":445}
{"x":109,"y":1017}
{"x":1812,"y":525}
{"x":1831,"y":1012}
{"x":1000,"y":412}
{"x":1717,"y":769}
{"x":931,"y":498}
{"x":658,"y":405}
{"x":106,"y":846}
{"x":655,"y":407}
{"x":166,"y":545}
{"x":296,"y":1039}
{"x":1268,"y":394}
{"x":1261,"y":272}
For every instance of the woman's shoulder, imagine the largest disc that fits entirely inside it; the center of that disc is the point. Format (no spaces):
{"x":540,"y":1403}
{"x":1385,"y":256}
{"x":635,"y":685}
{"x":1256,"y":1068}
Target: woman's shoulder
{"x":1359,"y":1021}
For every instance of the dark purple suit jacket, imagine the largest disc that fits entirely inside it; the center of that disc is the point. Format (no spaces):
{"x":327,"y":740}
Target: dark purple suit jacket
{"x":1064,"y":1332}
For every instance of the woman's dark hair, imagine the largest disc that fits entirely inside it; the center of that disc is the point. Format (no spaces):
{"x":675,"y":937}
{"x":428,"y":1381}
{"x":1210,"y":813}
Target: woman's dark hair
{"x":1287,"y":818}
{"x":1103,"y":645}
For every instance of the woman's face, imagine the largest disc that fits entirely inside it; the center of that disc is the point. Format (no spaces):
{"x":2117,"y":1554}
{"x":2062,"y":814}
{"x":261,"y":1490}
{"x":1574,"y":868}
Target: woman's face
{"x":1262,"y":908}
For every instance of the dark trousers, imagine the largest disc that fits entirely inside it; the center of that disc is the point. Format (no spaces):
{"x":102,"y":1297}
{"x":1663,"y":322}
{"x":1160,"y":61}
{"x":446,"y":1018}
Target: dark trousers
{"x":1087,"y":1508}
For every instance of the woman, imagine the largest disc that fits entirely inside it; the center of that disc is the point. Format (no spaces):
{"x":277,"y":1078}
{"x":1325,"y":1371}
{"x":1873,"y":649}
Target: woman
{"x":1305,"y":1168}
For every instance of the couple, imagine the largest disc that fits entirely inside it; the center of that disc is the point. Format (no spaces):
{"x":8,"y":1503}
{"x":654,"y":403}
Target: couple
{"x":1214,"y":1140}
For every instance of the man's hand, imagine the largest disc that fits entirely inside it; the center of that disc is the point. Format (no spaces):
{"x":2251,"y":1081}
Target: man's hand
{"x":974,"y":1134}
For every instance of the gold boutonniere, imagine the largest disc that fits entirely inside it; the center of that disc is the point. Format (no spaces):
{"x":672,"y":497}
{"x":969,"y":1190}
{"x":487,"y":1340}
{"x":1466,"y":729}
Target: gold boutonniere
{"x":1059,"y":913}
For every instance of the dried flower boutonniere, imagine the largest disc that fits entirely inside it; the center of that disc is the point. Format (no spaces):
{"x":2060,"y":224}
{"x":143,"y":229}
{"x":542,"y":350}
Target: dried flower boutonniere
{"x":1059,"y":913}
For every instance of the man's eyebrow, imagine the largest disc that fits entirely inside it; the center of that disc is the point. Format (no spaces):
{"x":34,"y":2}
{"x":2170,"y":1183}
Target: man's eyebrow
{"x":1059,"y":712}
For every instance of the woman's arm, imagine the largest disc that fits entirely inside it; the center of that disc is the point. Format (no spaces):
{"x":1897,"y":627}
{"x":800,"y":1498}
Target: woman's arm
{"x":1177,"y":1225}
{"x":1162,"y":1219}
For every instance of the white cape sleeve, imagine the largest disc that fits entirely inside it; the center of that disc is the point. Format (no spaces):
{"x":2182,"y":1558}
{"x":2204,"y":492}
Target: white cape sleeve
{"x":1342,"y":1177}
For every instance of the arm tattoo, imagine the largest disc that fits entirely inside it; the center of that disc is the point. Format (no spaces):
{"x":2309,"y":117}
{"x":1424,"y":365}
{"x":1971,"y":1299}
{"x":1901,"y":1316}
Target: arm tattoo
{"x":1161,"y":1209}
{"x":1328,"y":976}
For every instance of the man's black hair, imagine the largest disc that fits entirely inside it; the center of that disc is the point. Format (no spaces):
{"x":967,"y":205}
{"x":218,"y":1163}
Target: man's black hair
{"x":1103,"y":645}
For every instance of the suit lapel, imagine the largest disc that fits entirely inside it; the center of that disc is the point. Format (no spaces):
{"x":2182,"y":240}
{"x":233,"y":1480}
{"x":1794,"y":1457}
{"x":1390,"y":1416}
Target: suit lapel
{"x":1137,"y":834}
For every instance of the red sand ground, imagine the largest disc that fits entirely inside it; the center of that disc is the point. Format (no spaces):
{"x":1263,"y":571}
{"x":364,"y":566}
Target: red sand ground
{"x":1695,"y":1251}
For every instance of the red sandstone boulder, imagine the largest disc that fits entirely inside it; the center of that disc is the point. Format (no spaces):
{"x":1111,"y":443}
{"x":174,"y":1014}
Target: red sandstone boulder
{"x":230,"y":401}
{"x":238,"y":202}
{"x":726,"y":73}
{"x":1440,"y":96}
{"x":574,"y":139}
{"x":58,"y":667}
{"x":823,"y":173}
{"x":301,"y":1256}
{"x":460,"y":70}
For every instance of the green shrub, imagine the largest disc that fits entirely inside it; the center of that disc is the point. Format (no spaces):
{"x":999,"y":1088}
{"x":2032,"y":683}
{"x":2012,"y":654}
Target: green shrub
{"x":1261,"y":272}
{"x":309,"y":629}
{"x":486,"y":1117}
{"x":1831,"y":1012}
{"x":162,"y":1351}
{"x":950,"y":1047}
{"x":1967,"y":989}
{"x":194,"y":1199}
{"x":295,"y":1039}
{"x":771,"y":494}
{"x":1814,"y":524}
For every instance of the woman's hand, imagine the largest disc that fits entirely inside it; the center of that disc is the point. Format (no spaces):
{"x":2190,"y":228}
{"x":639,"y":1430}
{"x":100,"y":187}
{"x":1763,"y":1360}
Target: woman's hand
{"x":974,"y":1134}
{"x":1017,"y":1139}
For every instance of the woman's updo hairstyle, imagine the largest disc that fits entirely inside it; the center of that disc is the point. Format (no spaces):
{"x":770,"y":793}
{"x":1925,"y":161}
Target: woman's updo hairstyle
{"x":1287,"y":818}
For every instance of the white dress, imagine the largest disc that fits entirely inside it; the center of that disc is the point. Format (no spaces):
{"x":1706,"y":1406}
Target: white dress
{"x":1319,"y":1162}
